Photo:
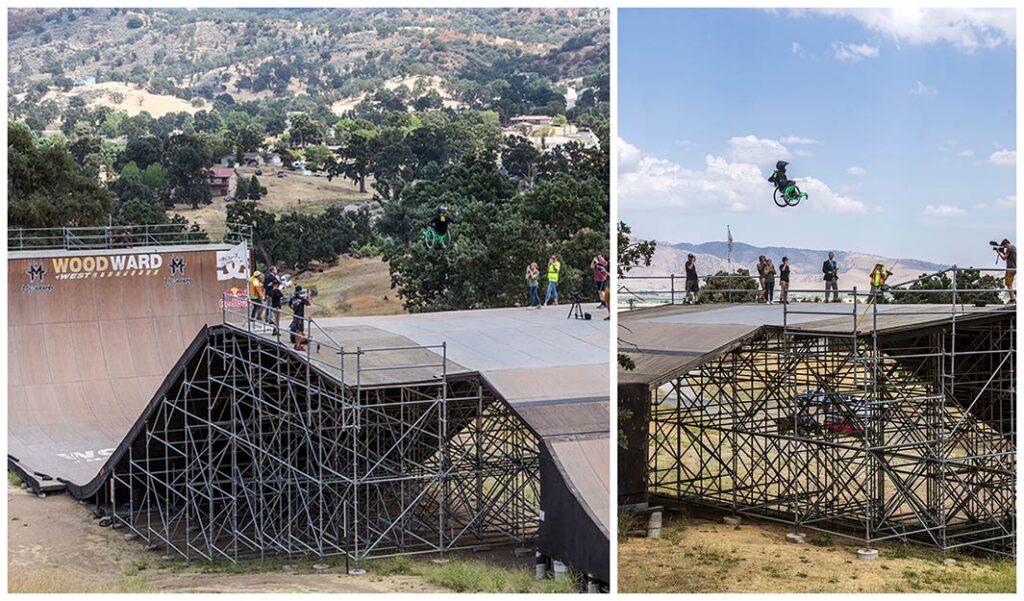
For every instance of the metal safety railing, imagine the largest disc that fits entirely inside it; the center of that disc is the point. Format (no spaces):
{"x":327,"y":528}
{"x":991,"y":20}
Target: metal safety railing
{"x":634,"y":291}
{"x":124,"y":236}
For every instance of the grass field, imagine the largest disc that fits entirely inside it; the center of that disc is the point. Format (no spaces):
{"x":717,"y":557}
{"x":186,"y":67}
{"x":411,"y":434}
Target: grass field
{"x":55,"y":547}
{"x":697,"y":555}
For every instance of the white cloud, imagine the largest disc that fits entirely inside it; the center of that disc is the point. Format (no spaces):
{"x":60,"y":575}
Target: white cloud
{"x":1004,"y":157}
{"x":920,"y":89}
{"x":736,"y":186}
{"x":802,"y":153}
{"x":944,"y":211}
{"x":797,"y":140}
{"x":967,"y":152}
{"x":1007,"y":202}
{"x":796,"y":48}
{"x":857,"y":171}
{"x":853,"y":53}
{"x":969,"y":29}
{"x":759,"y":151}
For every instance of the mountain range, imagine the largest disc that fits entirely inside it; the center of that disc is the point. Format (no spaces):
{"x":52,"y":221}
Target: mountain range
{"x":713,"y":257}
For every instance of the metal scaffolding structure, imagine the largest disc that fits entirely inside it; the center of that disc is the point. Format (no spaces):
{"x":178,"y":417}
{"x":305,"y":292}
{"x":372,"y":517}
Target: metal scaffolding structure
{"x":253,"y":449}
{"x":905,"y":434}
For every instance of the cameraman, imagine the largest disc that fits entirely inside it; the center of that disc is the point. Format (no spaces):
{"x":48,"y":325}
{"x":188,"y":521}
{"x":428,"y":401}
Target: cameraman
{"x":1008,"y":253}
{"x":298,"y":304}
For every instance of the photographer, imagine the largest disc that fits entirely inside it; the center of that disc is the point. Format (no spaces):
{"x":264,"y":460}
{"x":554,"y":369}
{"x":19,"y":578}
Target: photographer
{"x":298,"y":305}
{"x":878,"y":286}
{"x":1008,"y":252}
{"x":554,"y":268}
{"x":600,"y":267}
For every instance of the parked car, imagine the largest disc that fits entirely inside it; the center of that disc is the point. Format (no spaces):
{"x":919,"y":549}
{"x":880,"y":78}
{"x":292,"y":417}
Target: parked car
{"x":801,"y":423}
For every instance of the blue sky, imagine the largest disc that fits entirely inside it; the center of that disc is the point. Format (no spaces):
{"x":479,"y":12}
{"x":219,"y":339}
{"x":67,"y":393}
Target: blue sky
{"x":900,"y":125}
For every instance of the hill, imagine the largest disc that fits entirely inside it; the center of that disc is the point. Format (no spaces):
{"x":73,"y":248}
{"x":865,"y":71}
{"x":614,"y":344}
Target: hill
{"x":327,"y":56}
{"x":712,"y":257}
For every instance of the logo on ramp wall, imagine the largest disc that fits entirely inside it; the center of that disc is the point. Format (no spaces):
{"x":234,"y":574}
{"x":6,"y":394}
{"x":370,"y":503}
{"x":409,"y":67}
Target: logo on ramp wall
{"x":36,"y":274}
{"x":87,"y":456}
{"x":104,"y":266}
{"x":234,"y":297}
{"x":177,"y":278}
{"x":233,"y":264}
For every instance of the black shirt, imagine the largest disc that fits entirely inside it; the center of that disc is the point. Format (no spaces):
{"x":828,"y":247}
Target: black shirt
{"x":275,"y":297}
{"x":298,"y":305}
{"x":691,"y":272}
{"x":1011,"y":257}
{"x":783,"y":273}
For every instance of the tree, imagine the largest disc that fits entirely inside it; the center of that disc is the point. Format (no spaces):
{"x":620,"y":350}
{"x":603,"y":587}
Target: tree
{"x":519,"y":158}
{"x":499,"y":232}
{"x":46,"y":188}
{"x":316,"y":156}
{"x":355,"y":154}
{"x":971,"y":287}
{"x":187,"y":160}
{"x":305,"y":130}
{"x":255,"y":189}
{"x":724,"y":287}
{"x":242,"y":188}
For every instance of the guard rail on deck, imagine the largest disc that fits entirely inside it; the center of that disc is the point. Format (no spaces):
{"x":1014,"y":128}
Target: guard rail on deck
{"x":123,"y":236}
{"x":651,"y":290}
{"x":237,"y":312}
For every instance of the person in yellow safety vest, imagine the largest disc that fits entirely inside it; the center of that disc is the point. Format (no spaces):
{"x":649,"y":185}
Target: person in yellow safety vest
{"x":554,"y":267}
{"x":878,"y":287}
{"x":256,"y":296}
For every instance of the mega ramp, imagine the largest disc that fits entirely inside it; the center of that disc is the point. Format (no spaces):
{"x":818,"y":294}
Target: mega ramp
{"x":91,"y":335}
{"x":412,"y":433}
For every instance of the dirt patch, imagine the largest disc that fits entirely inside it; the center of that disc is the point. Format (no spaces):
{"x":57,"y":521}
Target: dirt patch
{"x":54,"y":546}
{"x":127,"y":98}
{"x":294,"y":192}
{"x":702,"y":556}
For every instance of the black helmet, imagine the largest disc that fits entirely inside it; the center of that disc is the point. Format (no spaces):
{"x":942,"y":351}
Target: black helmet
{"x":781,"y":165}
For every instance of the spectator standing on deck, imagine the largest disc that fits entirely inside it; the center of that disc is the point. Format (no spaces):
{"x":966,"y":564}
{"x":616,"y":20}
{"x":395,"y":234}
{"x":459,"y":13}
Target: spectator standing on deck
{"x":256,"y":295}
{"x":769,"y":281}
{"x":692,"y":280}
{"x":554,"y":268}
{"x":600,"y":266}
{"x":274,"y":298}
{"x":831,"y":271}
{"x":298,"y":306}
{"x":784,"y":280}
{"x":762,"y":295}
{"x":1008,"y":252}
{"x":878,"y":287}
{"x":533,"y":279}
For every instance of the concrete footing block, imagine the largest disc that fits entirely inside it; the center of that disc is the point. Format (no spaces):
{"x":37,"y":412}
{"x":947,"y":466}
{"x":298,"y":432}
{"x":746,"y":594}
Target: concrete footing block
{"x":867,"y":554}
{"x":796,"y":537}
{"x":732,"y":520}
{"x":561,"y":570}
{"x":654,"y":525}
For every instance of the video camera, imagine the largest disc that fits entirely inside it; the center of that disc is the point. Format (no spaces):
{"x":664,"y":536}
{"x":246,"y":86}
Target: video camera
{"x":995,"y":245}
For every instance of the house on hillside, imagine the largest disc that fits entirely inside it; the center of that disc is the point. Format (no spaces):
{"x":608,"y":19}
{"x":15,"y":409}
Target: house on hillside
{"x":228,"y":160}
{"x":222,"y":180}
{"x":89,"y":80}
{"x":533,"y":120}
{"x":253,"y":159}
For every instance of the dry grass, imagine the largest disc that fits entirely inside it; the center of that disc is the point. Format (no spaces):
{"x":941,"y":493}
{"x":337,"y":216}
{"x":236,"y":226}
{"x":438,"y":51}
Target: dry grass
{"x":124,"y":97}
{"x":700,"y":556}
{"x":354,"y":287}
{"x":292,"y":193}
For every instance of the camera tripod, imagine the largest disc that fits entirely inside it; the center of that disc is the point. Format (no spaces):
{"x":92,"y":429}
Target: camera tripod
{"x":576,"y":310}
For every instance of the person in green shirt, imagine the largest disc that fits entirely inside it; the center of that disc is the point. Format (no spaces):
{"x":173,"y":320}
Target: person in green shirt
{"x":554,"y":267}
